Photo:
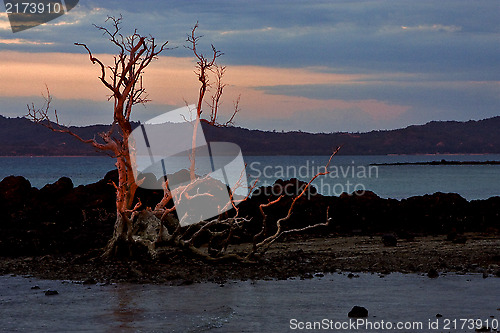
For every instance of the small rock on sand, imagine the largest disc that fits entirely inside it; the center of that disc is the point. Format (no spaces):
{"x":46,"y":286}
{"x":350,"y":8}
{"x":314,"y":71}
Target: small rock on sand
{"x":389,"y":240}
{"x":358,"y":312}
{"x":433,"y":273}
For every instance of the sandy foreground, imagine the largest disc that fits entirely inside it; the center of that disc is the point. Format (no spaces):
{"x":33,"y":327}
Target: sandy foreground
{"x":296,"y":257}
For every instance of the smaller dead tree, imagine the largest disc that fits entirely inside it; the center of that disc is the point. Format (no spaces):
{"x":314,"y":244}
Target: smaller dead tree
{"x":204,"y":66}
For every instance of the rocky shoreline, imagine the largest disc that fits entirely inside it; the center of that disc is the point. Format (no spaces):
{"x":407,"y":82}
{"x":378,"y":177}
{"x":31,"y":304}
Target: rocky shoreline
{"x":442,"y":162}
{"x":58,"y":232}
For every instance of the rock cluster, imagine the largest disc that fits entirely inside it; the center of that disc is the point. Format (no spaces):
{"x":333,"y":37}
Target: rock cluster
{"x":61,"y":218}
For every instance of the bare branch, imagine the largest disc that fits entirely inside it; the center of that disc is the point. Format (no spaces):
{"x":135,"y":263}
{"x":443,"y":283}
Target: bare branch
{"x":103,"y":69}
{"x":41,"y":116}
{"x":215,"y":102}
{"x":271,"y":239}
{"x":230,"y":122}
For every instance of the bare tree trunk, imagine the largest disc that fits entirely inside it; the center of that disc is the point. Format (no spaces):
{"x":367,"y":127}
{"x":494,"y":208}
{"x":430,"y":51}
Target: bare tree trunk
{"x":203,"y":65}
{"x":192,"y":157}
{"x":120,"y":243}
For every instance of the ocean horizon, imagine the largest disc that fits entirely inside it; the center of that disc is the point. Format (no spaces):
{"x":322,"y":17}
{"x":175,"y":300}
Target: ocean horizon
{"x":347,"y":173}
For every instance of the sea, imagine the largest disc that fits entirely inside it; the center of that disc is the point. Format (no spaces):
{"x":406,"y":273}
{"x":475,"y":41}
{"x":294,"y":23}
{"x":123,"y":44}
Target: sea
{"x":395,"y":302}
{"x":346,"y":173}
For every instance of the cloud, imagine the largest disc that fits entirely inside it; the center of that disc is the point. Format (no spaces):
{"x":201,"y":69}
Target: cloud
{"x":311,"y":64}
{"x":433,"y":27}
{"x":249,"y":31}
{"x":23,"y":42}
{"x":347,"y":36}
{"x":4,"y":22}
{"x":424,"y":100}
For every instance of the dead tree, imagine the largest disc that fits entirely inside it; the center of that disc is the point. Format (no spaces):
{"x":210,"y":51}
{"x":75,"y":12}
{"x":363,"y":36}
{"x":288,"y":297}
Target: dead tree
{"x":204,"y":66}
{"x":211,"y":240}
{"x":123,"y":79}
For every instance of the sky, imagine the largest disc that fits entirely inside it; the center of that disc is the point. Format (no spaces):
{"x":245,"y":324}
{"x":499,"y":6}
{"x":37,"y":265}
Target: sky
{"x":315,"y":66}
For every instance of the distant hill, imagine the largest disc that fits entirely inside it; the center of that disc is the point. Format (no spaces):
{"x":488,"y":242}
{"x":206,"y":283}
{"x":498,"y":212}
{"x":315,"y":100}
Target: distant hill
{"x":20,"y":137}
{"x":471,"y":137}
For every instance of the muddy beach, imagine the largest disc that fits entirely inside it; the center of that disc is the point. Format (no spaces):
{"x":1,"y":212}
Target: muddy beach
{"x":301,"y":257}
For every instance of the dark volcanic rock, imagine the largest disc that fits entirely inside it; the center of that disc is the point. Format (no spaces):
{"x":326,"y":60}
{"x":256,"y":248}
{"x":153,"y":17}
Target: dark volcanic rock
{"x":51,"y":292}
{"x":60,"y":218}
{"x":14,"y":193}
{"x":56,"y":219}
{"x":460,"y":240}
{"x":187,"y":282}
{"x":358,"y":312}
{"x":60,"y":188}
{"x":389,"y":240}
{"x":89,"y":281}
{"x":433,"y":273}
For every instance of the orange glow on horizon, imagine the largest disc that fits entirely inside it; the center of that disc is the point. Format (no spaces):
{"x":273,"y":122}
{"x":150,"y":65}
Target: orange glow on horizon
{"x":171,"y":81}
